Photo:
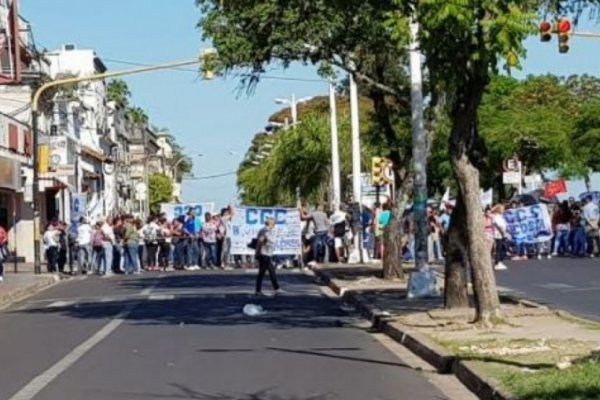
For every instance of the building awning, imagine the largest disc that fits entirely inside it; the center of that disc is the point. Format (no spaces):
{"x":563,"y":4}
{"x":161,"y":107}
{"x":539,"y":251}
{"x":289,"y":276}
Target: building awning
{"x":91,"y":175}
{"x":88,"y":151}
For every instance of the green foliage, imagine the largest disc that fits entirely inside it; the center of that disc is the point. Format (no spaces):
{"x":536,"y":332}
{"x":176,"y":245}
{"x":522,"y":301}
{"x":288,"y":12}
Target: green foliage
{"x":137,"y":115}
{"x":586,"y":136}
{"x":117,"y":90}
{"x":161,"y":191}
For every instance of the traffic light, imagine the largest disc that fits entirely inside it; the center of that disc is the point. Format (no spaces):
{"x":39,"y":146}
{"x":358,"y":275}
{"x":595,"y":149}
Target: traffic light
{"x":545,"y":31}
{"x":377,"y":171}
{"x":563,"y":27}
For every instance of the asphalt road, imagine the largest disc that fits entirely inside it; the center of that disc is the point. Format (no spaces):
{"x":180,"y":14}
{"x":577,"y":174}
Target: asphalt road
{"x":184,"y":336}
{"x":571,"y":284}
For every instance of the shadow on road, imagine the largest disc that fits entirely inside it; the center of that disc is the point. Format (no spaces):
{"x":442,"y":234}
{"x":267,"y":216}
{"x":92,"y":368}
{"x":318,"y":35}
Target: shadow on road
{"x":185,"y":392}
{"x":298,"y":308}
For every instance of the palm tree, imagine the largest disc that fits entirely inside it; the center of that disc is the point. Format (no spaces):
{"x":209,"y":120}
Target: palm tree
{"x":137,"y":115}
{"x":118,"y":91}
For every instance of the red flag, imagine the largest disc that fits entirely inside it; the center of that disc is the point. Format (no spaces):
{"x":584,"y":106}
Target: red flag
{"x":555,"y":187}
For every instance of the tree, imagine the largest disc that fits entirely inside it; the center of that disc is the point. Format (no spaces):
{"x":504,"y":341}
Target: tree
{"x":161,"y":191}
{"x":464,"y":43}
{"x":586,"y":139}
{"x":137,"y":115}
{"x":350,"y":35}
{"x":118,"y":91}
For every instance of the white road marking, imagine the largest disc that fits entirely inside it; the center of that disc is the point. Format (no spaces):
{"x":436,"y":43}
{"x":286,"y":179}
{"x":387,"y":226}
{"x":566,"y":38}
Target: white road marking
{"x":146,"y":291}
{"x":161,"y":297}
{"x":555,"y":286}
{"x":61,"y":304}
{"x":583,"y":289}
{"x":35,"y":386}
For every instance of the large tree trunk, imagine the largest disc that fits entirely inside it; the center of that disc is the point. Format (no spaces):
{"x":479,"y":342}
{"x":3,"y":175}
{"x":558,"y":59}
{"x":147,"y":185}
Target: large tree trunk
{"x":457,"y":259}
{"x":465,"y":153}
{"x":393,"y":239}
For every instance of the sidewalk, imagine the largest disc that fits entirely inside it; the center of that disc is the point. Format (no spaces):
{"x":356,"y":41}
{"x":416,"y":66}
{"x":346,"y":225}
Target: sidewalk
{"x":533,"y":353}
{"x":17,"y":286}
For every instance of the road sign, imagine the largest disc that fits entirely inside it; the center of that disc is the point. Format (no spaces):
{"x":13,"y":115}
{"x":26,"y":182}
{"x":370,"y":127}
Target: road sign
{"x":512,"y":165}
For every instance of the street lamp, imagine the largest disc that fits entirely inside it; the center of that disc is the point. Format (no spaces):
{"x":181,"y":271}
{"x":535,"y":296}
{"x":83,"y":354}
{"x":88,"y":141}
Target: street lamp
{"x":35,"y":106}
{"x":293,"y":103}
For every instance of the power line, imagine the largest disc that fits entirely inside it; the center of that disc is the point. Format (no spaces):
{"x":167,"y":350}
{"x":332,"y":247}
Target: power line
{"x":272,"y":77}
{"x":199,"y":178}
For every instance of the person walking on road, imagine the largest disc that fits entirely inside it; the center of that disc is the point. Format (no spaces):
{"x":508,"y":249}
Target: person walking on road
{"x":265,"y":247}
{"x":3,"y":251}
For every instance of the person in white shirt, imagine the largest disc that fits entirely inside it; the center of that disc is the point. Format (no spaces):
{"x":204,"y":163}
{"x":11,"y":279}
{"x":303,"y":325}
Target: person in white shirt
{"x":150,"y":233}
{"x":591,"y":217}
{"x":500,"y":228}
{"x":84,"y":245}
{"x":52,"y":244}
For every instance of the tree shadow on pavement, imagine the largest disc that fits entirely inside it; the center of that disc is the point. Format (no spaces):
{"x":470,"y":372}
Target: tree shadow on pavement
{"x":282,"y":312}
{"x":185,"y":392}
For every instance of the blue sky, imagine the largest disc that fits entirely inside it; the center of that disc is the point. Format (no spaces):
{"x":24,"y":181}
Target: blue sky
{"x":212,"y":118}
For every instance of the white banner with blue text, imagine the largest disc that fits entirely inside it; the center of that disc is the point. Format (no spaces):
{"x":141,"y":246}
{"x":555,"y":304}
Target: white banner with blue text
{"x":248,"y":221}
{"x":529,"y":225}
{"x":173,"y":211}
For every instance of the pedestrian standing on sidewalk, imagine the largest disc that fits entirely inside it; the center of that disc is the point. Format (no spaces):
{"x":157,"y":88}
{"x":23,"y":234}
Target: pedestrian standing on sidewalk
{"x":98,"y":247}
{"x":265,"y":248}
{"x":132,"y":241}
{"x":591,"y":216}
{"x":226,"y":226}
{"x":3,"y":251}
{"x":500,"y":236}
{"x":150,"y":233}
{"x":209,"y":238}
{"x":164,"y":243}
{"x":192,"y":234}
{"x":119,"y":247}
{"x":105,"y":267}
{"x":84,"y":245}
{"x":178,"y":240}
{"x":52,"y":244}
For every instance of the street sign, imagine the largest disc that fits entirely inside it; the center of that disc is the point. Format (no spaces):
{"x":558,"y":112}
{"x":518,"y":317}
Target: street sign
{"x":512,"y":165}
{"x":64,"y":170}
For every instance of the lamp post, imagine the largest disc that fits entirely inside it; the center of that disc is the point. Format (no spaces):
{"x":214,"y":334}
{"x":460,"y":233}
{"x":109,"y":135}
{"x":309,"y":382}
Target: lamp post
{"x":35,"y":130}
{"x":293,"y":103}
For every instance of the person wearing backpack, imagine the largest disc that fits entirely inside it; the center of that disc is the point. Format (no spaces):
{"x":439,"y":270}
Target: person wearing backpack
{"x":265,"y":248}
{"x":3,"y":251}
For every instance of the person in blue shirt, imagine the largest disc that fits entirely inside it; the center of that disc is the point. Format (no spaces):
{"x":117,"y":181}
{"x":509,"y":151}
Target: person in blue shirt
{"x":193,"y":250}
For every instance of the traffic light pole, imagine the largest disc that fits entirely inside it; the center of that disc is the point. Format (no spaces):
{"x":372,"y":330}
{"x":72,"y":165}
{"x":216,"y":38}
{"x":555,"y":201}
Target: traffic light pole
{"x":37,"y":251}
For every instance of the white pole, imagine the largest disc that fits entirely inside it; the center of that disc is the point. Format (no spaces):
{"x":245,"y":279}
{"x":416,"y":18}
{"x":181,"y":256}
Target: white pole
{"x":423,"y":281}
{"x":335,"y":153}
{"x":294,"y":110}
{"x":356,"y":189}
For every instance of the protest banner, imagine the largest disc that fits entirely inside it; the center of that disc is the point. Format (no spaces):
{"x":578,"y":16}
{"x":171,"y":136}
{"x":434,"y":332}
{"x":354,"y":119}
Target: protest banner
{"x":248,"y":221}
{"x":594,"y":195}
{"x":530,"y":224}
{"x":173,"y":210}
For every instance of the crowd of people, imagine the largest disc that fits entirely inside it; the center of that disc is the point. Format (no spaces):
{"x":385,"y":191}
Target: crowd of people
{"x":127,"y":245}
{"x":574,"y":233}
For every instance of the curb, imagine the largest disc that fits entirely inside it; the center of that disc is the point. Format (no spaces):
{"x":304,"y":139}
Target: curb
{"x":22,"y":293}
{"x":444,"y":361}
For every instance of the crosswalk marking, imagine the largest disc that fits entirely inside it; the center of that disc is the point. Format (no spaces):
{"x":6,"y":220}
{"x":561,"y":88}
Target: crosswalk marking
{"x":161,"y":297}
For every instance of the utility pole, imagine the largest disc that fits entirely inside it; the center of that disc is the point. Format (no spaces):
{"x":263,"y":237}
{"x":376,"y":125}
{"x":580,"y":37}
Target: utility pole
{"x":423,"y":281}
{"x":356,"y":189}
{"x":335,"y":152}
